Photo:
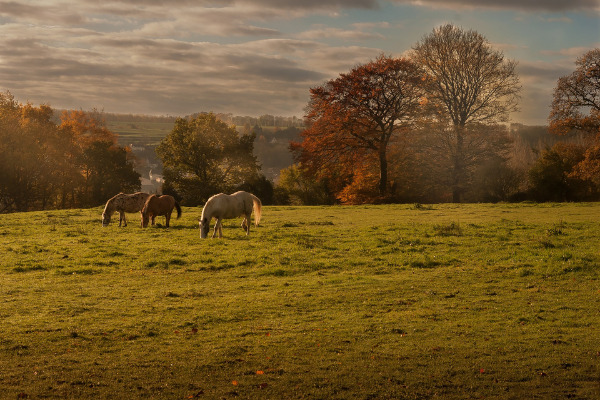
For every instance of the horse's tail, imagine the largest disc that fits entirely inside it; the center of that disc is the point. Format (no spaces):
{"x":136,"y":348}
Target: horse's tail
{"x":178,"y":209}
{"x":257,"y":209}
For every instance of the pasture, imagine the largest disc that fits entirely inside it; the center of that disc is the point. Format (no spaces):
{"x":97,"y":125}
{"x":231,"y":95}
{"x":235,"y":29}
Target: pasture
{"x":366,"y":302}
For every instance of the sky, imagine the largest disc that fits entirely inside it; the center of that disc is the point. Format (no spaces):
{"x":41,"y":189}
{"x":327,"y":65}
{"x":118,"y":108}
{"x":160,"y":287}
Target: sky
{"x":255,"y":57}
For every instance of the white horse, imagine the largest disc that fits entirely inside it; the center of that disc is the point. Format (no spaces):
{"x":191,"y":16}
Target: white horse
{"x":123,"y":203}
{"x":228,"y":206}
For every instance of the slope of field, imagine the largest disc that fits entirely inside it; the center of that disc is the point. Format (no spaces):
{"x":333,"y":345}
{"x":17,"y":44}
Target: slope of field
{"x":369,"y":302}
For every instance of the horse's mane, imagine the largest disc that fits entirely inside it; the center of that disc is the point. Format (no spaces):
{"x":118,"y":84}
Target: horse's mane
{"x":147,"y":203}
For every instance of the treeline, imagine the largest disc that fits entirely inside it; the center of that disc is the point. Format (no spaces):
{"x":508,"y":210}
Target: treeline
{"x":431,"y":127}
{"x":137,"y":117}
{"x":262,"y":121}
{"x":535,"y":166}
{"x":45,"y":163}
{"x":266,"y":120}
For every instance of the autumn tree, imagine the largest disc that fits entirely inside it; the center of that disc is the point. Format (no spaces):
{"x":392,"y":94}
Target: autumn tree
{"x":23,"y":164}
{"x":551,"y":177}
{"x":576,"y":104}
{"x":353,"y":119}
{"x":203,"y":156}
{"x":576,"y":108}
{"x":103,"y":167}
{"x":470,"y":83}
{"x":45,"y":165}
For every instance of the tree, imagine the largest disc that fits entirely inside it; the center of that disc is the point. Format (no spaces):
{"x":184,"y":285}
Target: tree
{"x":45,"y":165}
{"x":203,"y":156}
{"x":551,"y":177}
{"x":479,"y":145}
{"x":355,"y":118}
{"x":103,"y":168}
{"x":470,"y":83}
{"x":107,"y":170}
{"x":301,"y":189}
{"x":576,"y":104}
{"x":576,"y":107}
{"x":259,"y":186}
{"x":19,"y":151}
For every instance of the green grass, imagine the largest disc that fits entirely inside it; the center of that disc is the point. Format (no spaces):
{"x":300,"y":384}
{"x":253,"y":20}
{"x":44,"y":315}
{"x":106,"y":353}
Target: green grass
{"x":365,"y":302}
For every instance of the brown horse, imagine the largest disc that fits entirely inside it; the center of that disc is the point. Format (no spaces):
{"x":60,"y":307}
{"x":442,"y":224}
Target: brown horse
{"x":156,"y":205}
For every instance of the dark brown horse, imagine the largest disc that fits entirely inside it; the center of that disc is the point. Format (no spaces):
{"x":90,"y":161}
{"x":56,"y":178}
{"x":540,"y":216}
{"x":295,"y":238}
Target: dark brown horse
{"x":156,"y":205}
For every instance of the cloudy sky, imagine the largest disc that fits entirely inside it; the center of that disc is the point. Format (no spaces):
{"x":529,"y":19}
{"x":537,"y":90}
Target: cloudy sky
{"x":254,"y":57}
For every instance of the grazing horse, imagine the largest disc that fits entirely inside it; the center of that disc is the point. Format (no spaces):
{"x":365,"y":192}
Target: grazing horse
{"x":156,"y":205}
{"x":123,"y":203}
{"x":227,"y":206}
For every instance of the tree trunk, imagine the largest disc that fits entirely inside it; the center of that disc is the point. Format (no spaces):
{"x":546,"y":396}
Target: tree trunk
{"x":383,"y":172}
{"x":458,"y":173}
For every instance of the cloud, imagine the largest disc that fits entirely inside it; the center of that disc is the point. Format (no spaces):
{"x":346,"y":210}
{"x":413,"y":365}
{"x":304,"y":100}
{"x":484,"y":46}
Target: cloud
{"x":544,"y":73}
{"x":571,"y":52}
{"x":336,"y":33}
{"x":516,"y":5}
{"x":39,"y":12}
{"x":312,"y":5}
{"x":243,"y":56}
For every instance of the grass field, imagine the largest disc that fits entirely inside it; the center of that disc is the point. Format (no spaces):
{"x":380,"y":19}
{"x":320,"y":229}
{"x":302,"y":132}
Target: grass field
{"x":140,"y":133}
{"x":366,"y":302}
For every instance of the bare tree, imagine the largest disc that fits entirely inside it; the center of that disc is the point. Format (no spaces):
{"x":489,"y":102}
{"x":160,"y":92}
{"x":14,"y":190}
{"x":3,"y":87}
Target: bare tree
{"x":470,"y":83}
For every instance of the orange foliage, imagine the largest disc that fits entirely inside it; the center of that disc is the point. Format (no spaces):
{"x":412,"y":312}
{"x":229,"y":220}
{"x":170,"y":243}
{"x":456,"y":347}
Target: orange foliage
{"x":353,"y":119}
{"x":576,"y":103}
{"x":589,"y":168}
{"x":86,"y":128}
{"x":576,"y":106}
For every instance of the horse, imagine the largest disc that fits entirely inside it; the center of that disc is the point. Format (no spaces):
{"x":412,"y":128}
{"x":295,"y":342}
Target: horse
{"x":123,"y":203}
{"x":228,"y":206}
{"x":156,"y":205}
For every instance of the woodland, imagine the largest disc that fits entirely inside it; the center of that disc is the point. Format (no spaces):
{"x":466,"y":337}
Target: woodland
{"x":431,"y":127}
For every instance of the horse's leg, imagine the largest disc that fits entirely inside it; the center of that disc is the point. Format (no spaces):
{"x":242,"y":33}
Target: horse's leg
{"x":244,"y":224}
{"x":124,"y":219}
{"x":220,"y":228}
{"x":247,"y":223}
{"x":217,"y":224}
{"x":153,"y":217}
{"x":120,"y":217}
{"x":167,"y":218}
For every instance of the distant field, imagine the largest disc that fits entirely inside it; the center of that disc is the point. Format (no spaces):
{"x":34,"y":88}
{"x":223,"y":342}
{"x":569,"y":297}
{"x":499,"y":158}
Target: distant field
{"x":366,"y":302}
{"x":140,"y":133}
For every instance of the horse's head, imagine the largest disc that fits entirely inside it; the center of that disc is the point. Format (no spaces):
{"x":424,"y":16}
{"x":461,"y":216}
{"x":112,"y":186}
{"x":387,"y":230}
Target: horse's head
{"x":204,"y":227}
{"x":105,"y":219}
{"x":145,"y":219}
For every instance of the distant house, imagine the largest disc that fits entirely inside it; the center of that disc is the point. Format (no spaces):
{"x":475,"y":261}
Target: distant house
{"x":156,"y":178}
{"x":152,"y":184}
{"x":136,"y":148}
